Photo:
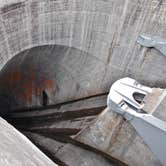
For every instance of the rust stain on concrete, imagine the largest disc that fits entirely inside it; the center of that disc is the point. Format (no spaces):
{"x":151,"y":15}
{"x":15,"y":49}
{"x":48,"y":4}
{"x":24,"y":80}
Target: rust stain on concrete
{"x":26,"y":85}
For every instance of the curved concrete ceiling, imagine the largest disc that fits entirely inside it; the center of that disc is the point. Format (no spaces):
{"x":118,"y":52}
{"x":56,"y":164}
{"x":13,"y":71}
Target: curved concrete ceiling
{"x":63,"y":73}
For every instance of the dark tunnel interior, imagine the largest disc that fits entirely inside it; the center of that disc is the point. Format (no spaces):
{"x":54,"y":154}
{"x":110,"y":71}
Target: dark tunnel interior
{"x":46,"y":75}
{"x":38,"y":89}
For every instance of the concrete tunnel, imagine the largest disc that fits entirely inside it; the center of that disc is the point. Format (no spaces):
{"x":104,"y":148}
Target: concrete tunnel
{"x":58,"y":56}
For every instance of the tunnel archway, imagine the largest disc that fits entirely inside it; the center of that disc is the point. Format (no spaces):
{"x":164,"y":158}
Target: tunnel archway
{"x":45,"y":76}
{"x":54,"y":73}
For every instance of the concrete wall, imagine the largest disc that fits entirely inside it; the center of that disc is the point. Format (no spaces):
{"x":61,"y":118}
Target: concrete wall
{"x":106,"y":30}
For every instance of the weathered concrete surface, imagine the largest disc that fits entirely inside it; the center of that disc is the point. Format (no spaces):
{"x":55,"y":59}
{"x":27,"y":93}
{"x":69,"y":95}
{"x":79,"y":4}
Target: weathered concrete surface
{"x":79,"y":156}
{"x":153,"y":99}
{"x":62,"y":127}
{"x":17,"y":150}
{"x":105,"y":30}
{"x":70,"y":154}
{"x":75,"y":122}
{"x":60,"y":71}
{"x":116,"y":137}
{"x":159,"y":109}
{"x":111,"y":134}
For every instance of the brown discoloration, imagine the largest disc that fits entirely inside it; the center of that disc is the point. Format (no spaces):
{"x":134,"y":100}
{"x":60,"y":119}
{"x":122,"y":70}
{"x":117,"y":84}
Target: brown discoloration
{"x":26,"y":85}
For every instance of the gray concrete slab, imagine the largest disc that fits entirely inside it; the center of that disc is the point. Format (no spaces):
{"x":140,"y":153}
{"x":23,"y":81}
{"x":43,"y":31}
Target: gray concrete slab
{"x":17,"y":150}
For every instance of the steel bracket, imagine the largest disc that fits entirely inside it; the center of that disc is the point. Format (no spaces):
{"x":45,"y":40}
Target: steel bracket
{"x":153,"y":42}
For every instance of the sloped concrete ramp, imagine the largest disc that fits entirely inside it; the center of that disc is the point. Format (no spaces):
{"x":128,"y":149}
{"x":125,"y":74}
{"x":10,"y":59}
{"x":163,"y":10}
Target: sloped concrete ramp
{"x":17,"y":150}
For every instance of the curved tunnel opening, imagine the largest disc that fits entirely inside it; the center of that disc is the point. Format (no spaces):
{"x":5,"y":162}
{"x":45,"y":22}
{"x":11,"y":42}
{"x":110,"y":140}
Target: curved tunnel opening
{"x":44,"y":94}
{"x":48,"y":75}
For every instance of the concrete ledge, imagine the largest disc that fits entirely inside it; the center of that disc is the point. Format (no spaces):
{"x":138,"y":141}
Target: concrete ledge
{"x":17,"y":150}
